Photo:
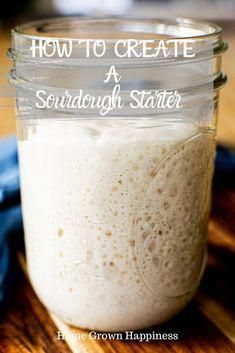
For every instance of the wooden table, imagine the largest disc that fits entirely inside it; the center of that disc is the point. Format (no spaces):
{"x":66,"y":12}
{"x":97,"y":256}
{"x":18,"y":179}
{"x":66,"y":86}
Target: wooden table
{"x":207,"y":325}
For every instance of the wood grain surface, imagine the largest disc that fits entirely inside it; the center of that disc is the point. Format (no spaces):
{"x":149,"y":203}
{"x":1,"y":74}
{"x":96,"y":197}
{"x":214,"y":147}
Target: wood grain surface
{"x":27,"y":327}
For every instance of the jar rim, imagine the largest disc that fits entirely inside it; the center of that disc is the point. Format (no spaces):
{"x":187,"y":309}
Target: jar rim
{"x":44,"y":28}
{"x":208,"y":46}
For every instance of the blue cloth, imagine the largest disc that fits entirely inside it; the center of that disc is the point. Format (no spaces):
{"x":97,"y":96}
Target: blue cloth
{"x":10,"y":214}
{"x":225,"y":167}
{"x":10,"y":210}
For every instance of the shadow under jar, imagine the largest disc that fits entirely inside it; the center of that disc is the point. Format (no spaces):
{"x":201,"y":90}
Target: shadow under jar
{"x":116,"y":207}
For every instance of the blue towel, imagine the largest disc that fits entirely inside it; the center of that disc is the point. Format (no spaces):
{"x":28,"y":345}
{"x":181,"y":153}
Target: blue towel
{"x":10,"y":210}
{"x":10,"y":215}
{"x":224,"y":168}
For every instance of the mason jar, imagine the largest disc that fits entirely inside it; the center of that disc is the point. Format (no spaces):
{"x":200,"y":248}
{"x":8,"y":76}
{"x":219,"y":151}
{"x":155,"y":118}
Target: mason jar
{"x":116,"y":201}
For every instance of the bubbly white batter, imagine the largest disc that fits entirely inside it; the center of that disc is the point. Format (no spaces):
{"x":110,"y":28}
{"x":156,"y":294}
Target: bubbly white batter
{"x":115,"y":216}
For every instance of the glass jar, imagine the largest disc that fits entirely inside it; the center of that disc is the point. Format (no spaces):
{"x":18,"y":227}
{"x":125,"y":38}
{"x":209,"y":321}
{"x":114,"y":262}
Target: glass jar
{"x":116,"y":207}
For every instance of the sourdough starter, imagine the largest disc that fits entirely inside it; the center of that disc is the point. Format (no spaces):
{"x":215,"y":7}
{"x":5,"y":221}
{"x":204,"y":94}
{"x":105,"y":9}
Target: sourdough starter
{"x":115,"y":216}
